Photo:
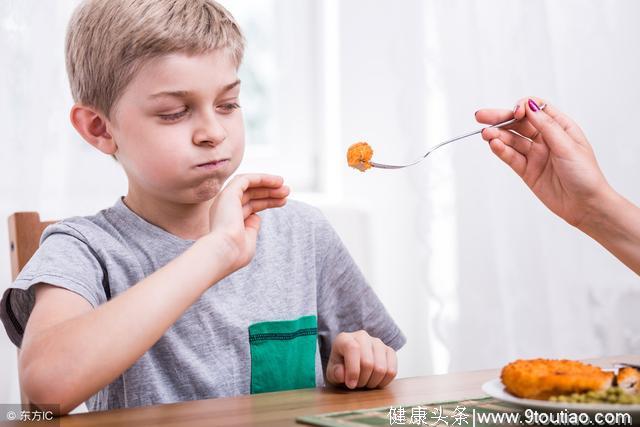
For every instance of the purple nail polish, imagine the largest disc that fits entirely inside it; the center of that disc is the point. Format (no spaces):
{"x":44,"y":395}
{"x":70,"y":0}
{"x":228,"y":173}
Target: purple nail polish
{"x":534,"y":107}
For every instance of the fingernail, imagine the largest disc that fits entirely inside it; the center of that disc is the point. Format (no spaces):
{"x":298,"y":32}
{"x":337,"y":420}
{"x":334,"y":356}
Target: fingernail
{"x":516,"y":109}
{"x":534,"y":107}
{"x":351,"y":384}
{"x":476,"y":113}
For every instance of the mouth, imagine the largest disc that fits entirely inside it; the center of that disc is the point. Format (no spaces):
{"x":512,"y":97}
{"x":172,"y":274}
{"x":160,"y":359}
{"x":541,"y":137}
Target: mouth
{"x":213,"y":164}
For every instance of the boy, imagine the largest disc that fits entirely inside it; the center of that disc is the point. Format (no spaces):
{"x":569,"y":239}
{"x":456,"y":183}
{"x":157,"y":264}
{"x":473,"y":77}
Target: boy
{"x":181,"y":291}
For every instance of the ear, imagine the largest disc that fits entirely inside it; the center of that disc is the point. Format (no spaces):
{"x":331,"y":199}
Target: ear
{"x":92,"y":126}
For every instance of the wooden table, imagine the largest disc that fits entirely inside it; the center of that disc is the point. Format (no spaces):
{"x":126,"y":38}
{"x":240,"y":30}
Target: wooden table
{"x":281,"y":408}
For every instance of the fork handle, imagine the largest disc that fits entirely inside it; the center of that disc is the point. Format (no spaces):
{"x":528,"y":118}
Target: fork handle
{"x":475,"y":132}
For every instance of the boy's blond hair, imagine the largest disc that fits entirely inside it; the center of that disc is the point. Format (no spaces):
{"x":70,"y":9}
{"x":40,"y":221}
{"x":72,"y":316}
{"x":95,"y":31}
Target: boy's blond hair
{"x":109,"y":40}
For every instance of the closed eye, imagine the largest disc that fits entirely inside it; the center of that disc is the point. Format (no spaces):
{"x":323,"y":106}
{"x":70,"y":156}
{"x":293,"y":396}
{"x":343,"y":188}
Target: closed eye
{"x":173,"y":116}
{"x":229,"y":107}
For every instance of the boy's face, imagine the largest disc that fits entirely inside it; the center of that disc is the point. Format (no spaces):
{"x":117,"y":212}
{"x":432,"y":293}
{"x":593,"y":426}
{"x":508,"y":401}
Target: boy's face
{"x":178,"y":127}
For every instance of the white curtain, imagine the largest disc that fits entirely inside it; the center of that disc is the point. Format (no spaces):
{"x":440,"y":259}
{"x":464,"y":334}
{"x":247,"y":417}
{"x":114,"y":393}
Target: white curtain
{"x":475,"y":270}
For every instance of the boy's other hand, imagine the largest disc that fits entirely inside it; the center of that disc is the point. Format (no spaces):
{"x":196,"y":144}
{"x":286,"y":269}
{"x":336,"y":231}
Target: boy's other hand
{"x":360,"y":360}
{"x":233,"y":218}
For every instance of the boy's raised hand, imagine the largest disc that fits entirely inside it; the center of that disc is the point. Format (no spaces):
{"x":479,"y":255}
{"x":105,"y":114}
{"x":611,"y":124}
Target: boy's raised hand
{"x":359,"y":360}
{"x":233,"y":218}
{"x":551,"y":155}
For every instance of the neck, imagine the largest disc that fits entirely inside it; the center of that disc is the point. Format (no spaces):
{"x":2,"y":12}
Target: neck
{"x":187,"y":221}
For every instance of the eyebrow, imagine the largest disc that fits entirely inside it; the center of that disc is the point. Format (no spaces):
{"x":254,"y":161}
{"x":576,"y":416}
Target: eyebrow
{"x":185,"y":93}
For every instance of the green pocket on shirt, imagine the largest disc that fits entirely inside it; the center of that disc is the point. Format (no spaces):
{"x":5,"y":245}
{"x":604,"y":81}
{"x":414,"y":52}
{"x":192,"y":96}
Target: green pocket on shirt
{"x":283,"y":354}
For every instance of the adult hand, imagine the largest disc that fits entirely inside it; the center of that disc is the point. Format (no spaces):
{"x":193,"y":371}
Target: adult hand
{"x":552,"y":156}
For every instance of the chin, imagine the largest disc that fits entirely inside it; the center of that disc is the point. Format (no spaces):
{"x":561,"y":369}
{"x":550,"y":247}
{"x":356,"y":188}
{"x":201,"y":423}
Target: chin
{"x":207,"y":190}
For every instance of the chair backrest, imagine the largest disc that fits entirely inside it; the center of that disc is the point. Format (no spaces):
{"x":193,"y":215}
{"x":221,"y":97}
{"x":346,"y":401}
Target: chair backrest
{"x":25,"y":229}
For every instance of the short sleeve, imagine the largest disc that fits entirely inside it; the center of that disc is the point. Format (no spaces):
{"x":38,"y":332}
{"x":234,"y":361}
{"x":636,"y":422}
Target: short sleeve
{"x":64,"y":259}
{"x":346,"y":302}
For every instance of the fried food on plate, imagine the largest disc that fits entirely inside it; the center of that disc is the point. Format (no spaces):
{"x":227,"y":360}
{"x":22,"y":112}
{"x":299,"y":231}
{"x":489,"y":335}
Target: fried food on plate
{"x":543,"y":378}
{"x":629,"y":380}
{"x":359,"y":156}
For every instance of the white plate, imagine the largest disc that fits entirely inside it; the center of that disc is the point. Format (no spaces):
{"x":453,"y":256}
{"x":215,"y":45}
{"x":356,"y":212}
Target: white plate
{"x":496,"y":389}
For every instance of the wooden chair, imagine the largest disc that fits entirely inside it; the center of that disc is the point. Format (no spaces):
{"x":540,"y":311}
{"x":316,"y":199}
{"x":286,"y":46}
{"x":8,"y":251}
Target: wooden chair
{"x":25,"y":229}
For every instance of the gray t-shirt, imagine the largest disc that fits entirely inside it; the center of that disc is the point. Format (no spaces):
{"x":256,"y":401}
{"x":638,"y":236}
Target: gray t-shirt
{"x":269,"y":326}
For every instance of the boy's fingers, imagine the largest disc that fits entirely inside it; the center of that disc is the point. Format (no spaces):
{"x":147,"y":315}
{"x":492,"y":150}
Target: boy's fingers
{"x":265,"y":193}
{"x":510,"y":156}
{"x":349,"y":349}
{"x":246,"y":181}
{"x":379,"y":363}
{"x":335,"y":374}
{"x":264,"y":180}
{"x":367,"y":360}
{"x":255,"y":206}
{"x":392,"y":368}
{"x":252,"y":225}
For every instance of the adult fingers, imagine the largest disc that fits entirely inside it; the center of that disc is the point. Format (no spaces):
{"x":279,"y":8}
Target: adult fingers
{"x":495,"y":116}
{"x":518,"y":142}
{"x":523,"y":127}
{"x":566,"y":122}
{"x":555,"y":137}
{"x":509,"y":155}
{"x":490,"y":116}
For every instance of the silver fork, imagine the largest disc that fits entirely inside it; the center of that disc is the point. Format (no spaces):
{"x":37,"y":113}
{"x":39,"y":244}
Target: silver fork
{"x":498,"y":125}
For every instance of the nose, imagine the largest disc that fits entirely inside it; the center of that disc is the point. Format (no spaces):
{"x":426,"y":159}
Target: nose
{"x":209,"y":130}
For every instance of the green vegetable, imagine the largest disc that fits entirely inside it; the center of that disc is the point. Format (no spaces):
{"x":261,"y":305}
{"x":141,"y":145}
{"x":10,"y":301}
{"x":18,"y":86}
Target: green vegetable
{"x":611,"y":395}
